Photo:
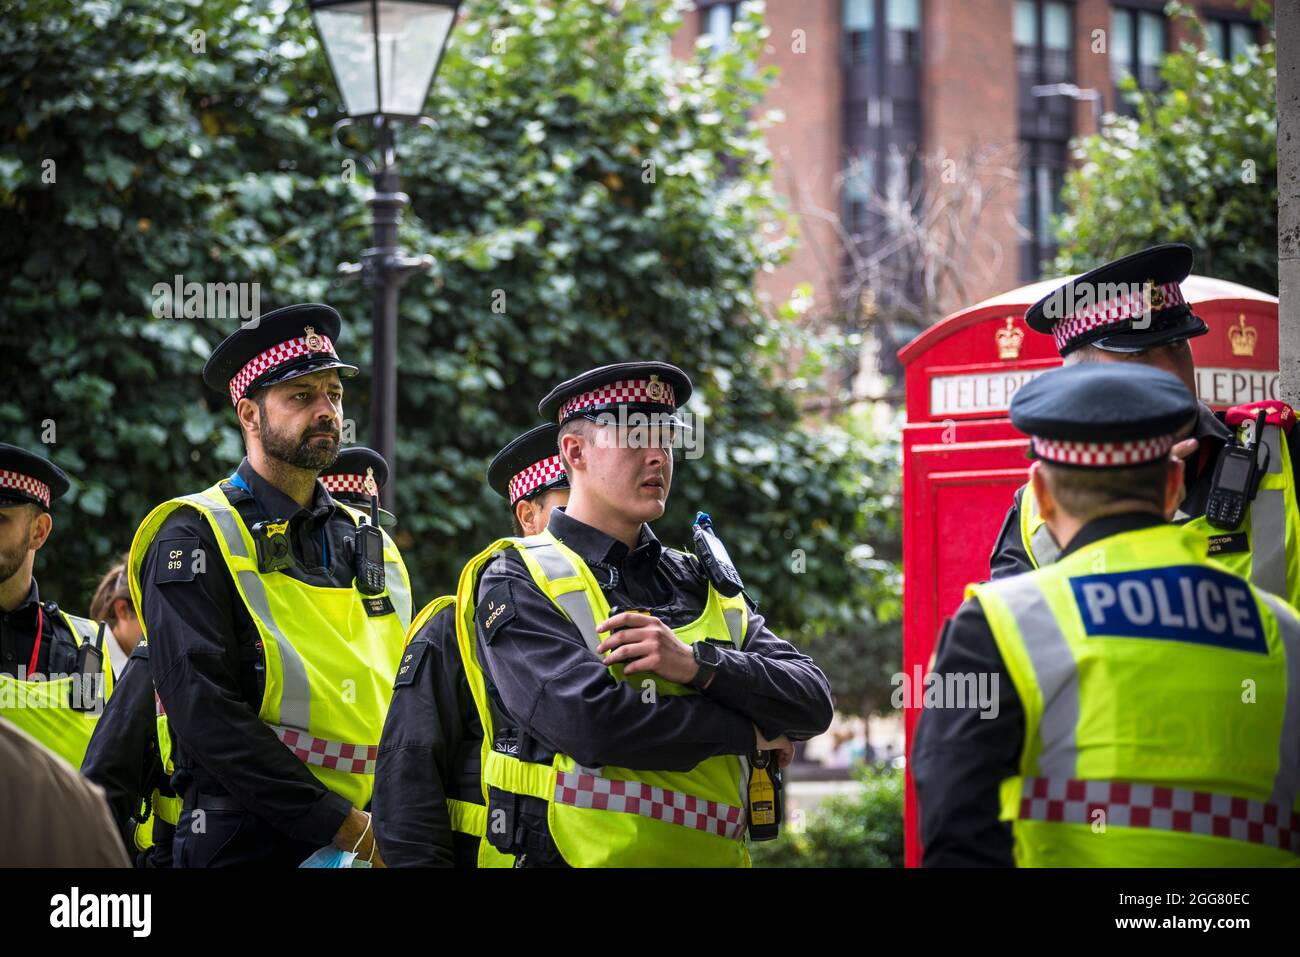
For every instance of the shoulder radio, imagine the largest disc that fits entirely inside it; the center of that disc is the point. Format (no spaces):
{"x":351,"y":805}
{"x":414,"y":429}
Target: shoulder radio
{"x":1236,"y":476}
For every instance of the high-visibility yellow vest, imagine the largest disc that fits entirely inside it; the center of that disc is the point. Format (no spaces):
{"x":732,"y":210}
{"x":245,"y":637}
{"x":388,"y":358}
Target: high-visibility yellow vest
{"x":613,"y":817}
{"x":44,"y":707}
{"x":163,"y":807}
{"x":1162,"y":708}
{"x":466,"y":816}
{"x":1270,"y":526}
{"x":329,"y":664}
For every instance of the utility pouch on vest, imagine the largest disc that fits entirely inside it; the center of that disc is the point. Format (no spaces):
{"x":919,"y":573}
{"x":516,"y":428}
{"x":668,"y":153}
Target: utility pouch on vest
{"x":90,"y":666}
{"x":765,"y":804}
{"x":272,"y":541}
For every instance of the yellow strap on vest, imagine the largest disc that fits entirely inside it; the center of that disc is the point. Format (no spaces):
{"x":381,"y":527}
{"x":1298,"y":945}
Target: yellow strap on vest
{"x":467,"y":818}
{"x":519,"y":777}
{"x":427,"y":614}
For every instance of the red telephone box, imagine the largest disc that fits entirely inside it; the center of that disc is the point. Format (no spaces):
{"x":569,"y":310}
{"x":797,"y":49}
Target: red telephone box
{"x":963,"y":461}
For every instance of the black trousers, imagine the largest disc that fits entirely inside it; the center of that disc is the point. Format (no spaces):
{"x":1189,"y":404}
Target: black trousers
{"x":218,"y":833}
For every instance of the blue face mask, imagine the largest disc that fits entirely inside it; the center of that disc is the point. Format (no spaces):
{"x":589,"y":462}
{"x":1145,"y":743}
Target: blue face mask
{"x":333,"y":857}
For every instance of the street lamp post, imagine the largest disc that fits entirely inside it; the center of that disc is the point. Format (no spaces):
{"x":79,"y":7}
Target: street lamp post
{"x":383,"y":55}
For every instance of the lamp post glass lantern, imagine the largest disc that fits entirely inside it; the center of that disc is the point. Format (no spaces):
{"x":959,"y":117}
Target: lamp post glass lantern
{"x":384,"y":55}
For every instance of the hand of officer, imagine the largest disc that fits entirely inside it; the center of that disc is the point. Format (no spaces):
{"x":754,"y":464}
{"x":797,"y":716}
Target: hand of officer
{"x":780,"y":744}
{"x":358,"y":836}
{"x":644,"y":643}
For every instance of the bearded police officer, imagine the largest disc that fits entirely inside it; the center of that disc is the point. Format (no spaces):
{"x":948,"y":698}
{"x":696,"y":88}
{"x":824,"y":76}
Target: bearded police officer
{"x":130,"y":753}
{"x":275,"y":616}
{"x":54,"y":671}
{"x":429,"y":806}
{"x":621,"y":687}
{"x":1144,"y":707}
{"x":1131,"y":311}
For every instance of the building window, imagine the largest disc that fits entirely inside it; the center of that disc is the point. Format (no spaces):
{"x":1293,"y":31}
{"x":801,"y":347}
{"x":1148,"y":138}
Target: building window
{"x":1137,"y":45}
{"x":1229,"y":37}
{"x":716,"y":21}
{"x":1042,"y":175}
{"x":1043,"y":32}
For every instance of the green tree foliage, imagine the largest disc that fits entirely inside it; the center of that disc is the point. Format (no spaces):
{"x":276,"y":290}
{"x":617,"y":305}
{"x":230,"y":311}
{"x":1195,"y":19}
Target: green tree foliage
{"x":588,"y":198}
{"x":862,"y":830}
{"x":1197,"y":165}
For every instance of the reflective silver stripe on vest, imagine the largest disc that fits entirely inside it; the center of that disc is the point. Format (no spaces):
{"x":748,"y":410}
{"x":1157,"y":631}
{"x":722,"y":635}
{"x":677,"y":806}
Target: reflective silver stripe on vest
{"x":578,"y":609}
{"x":227,"y":522}
{"x":295,"y":701}
{"x":398,"y":593}
{"x":1268,"y":525}
{"x":83,"y":628}
{"x":635,"y":797}
{"x":1055,"y":669}
{"x":1124,"y":804}
{"x":734,"y":627}
{"x":1043,"y":545}
{"x":555,"y":564}
{"x":1286,"y":785}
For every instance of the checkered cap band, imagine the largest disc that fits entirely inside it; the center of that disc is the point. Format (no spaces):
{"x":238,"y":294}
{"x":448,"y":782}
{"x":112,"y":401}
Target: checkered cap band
{"x":344,"y":483}
{"x":25,"y":484}
{"x":335,"y":755}
{"x":1112,"y":312}
{"x":617,"y":393}
{"x":1071,"y":801}
{"x":535,"y":476}
{"x":579,"y":789}
{"x":1103,"y":454}
{"x":273,"y":358}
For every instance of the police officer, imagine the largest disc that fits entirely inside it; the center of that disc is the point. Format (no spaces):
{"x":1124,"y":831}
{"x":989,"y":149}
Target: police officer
{"x":1121,"y":729}
{"x":356,"y":477}
{"x":275,"y":616}
{"x":129,"y":757}
{"x":130,"y":753}
{"x":1132,"y":310}
{"x":54,"y":672}
{"x":429,"y":802}
{"x":621,"y":690}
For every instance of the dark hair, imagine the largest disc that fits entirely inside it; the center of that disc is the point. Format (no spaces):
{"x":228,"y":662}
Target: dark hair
{"x":113,"y":586}
{"x":1085,"y":493}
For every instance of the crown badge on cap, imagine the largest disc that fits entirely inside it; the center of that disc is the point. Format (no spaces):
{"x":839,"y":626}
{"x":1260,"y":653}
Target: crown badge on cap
{"x":1009,"y":339}
{"x":313,"y":343}
{"x":370,"y":485}
{"x":1154,"y":294}
{"x":1242,"y":337}
{"x":654,"y":389}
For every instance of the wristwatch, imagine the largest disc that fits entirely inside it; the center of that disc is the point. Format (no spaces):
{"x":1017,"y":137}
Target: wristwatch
{"x":707,"y":657}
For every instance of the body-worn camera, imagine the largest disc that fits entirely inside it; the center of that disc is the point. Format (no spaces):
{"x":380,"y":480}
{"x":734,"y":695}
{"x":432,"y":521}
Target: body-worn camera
{"x":272,"y":542}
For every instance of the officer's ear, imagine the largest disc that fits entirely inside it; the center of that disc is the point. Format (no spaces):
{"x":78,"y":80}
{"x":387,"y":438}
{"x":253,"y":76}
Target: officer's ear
{"x":40,"y":529}
{"x":573,"y":451}
{"x":250,"y":417}
{"x":1175,"y":491}
{"x":1039,"y":488}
